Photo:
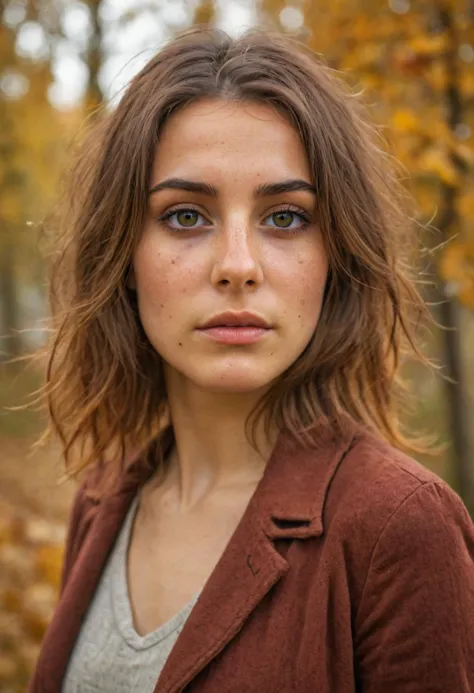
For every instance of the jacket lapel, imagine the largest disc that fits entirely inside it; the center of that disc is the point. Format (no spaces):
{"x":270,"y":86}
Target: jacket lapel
{"x":287,"y":503}
{"x":247,"y":570}
{"x":79,"y":589}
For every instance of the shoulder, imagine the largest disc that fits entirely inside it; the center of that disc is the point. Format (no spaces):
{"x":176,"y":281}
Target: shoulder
{"x":390,"y":522}
{"x":375,"y":479}
{"x":401,"y":542}
{"x":382,"y":500}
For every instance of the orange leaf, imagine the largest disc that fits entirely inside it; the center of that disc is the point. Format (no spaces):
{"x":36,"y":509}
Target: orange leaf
{"x":49,"y":564}
{"x":405,"y":120}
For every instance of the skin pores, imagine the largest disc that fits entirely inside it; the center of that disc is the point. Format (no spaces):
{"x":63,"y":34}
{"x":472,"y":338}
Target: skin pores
{"x":234,"y":251}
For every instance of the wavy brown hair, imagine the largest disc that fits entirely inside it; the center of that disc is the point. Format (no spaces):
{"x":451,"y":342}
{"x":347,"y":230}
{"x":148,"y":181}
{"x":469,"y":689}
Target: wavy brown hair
{"x":104,"y":386}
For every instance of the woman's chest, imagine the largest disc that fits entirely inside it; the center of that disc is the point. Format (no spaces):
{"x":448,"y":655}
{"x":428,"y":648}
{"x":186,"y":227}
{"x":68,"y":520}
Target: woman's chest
{"x":170,"y":561}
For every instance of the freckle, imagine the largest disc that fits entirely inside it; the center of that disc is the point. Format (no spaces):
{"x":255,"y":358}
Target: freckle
{"x":173,"y":262}
{"x":180,"y":343}
{"x":161,"y":305}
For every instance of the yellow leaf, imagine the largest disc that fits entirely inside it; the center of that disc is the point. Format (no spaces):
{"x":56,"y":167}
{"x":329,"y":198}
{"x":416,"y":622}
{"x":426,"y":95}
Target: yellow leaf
{"x":457,"y":267}
{"x":437,"y":161}
{"x":49,"y":564}
{"x":405,"y":120}
{"x":205,"y":13}
{"x":429,"y":45}
{"x":466,"y":205}
{"x":467,"y":83}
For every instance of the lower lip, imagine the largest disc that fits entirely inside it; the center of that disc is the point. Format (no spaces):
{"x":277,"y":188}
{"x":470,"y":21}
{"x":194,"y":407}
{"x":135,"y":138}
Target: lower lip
{"x":235,"y":335}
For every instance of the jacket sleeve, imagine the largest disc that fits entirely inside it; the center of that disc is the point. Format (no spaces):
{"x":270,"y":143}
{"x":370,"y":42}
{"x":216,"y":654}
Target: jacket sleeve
{"x":414,"y":629}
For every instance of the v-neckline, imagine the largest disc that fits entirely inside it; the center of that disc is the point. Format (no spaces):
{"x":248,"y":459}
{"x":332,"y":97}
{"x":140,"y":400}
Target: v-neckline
{"x":120,"y":595}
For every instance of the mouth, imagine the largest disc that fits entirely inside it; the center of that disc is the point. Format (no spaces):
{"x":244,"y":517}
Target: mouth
{"x":235,"y":334}
{"x":237,"y":320}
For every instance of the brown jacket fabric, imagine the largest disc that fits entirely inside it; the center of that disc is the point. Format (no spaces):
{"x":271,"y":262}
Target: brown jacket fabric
{"x":351,"y":571}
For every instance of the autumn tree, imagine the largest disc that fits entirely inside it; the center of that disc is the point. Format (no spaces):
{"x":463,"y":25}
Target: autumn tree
{"x":28,"y":145}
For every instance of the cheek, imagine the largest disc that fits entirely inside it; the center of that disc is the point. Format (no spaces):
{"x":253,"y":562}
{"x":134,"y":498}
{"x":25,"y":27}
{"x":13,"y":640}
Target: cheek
{"x":162,"y":279}
{"x":305,"y":282}
{"x":154,"y":288}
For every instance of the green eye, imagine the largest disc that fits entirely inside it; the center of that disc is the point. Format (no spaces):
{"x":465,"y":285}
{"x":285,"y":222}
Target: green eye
{"x":283,"y":219}
{"x":187,"y":217}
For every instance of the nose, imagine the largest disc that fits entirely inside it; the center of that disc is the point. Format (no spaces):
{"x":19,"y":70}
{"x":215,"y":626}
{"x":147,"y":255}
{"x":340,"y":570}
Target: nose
{"x":236,"y":262}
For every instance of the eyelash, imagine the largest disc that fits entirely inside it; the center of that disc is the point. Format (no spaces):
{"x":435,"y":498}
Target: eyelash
{"x":289,"y":208}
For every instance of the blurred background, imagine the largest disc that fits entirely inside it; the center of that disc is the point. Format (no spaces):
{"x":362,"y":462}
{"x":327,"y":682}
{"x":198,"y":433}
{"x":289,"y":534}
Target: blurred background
{"x":412,"y":62}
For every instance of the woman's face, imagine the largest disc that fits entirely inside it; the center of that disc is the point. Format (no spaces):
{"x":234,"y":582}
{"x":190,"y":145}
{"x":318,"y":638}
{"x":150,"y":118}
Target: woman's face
{"x":229,"y":247}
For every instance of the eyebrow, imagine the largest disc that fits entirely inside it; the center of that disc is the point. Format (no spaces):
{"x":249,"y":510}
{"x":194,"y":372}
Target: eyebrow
{"x":263,"y":190}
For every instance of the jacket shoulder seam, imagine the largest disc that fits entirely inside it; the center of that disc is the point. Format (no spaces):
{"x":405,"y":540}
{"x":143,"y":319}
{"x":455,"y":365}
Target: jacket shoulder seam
{"x":422,"y":484}
{"x":385,"y":456}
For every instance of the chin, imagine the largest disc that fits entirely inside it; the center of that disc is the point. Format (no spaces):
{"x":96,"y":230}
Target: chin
{"x":233,"y":383}
{"x":230,"y":378}
{"x":234,"y":387}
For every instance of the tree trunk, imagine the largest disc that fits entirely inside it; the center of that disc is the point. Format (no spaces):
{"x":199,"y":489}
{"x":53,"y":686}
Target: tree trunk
{"x":9,"y":304}
{"x":448,"y":224}
{"x":94,"y":58}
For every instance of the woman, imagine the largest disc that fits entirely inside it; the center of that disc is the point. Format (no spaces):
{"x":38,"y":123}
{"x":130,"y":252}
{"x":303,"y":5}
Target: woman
{"x":231,"y":302}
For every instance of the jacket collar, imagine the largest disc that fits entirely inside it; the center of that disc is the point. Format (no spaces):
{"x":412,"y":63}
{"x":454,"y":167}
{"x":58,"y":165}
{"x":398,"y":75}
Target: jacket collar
{"x":293,"y":490}
{"x":289,"y":499}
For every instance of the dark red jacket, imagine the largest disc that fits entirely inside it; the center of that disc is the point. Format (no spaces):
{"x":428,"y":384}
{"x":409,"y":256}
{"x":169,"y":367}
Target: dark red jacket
{"x":351,"y":571}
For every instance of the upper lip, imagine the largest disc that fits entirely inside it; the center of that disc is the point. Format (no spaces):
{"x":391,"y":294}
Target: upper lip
{"x":231,"y":319}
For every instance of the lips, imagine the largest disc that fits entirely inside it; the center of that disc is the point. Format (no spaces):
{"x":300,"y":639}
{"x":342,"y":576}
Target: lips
{"x":230,"y":319}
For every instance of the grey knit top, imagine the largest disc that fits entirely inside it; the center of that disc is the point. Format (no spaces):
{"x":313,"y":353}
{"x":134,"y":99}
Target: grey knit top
{"x":109,"y":656}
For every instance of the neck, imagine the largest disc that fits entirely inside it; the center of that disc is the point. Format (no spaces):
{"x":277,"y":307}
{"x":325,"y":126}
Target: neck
{"x":211,"y":450}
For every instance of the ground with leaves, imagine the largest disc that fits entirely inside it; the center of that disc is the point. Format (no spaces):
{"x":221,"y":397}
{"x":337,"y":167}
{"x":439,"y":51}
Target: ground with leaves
{"x":33,"y":516}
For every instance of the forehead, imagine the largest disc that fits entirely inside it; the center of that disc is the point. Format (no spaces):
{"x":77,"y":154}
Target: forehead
{"x":216,"y":136}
